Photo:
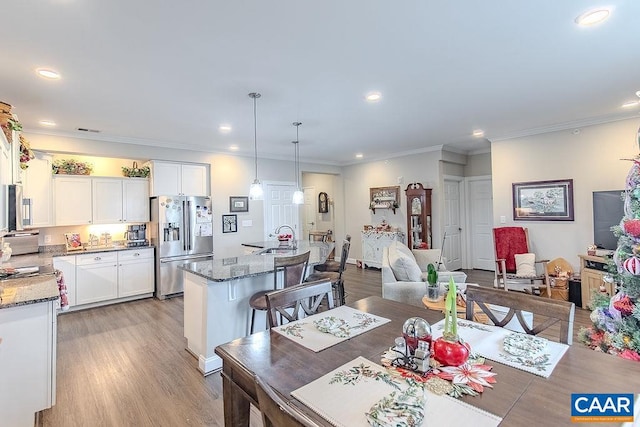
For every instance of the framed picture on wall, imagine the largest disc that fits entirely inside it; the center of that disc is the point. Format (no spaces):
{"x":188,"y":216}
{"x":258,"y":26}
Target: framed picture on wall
{"x":229,"y":223}
{"x":239,"y":204}
{"x":543,"y":200}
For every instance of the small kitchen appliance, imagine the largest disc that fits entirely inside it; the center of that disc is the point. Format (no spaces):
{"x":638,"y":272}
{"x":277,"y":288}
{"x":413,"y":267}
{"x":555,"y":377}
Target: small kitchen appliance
{"x":136,"y":235}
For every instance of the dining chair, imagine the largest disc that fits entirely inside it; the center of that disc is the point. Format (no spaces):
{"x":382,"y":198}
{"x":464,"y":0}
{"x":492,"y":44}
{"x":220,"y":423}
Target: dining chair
{"x":335,"y":277}
{"x":276,"y":412}
{"x":291,"y":303}
{"x":330,"y":265}
{"x":553,"y":311}
{"x":293,"y":269}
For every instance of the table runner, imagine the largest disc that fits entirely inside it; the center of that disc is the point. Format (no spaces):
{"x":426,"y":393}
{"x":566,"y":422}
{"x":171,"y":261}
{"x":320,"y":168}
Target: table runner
{"x":345,"y":395}
{"x":486,"y":340}
{"x":305,"y":332}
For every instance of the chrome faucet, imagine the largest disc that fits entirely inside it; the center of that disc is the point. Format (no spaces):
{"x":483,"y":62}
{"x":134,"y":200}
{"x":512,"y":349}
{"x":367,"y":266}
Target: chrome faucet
{"x":293,"y":234}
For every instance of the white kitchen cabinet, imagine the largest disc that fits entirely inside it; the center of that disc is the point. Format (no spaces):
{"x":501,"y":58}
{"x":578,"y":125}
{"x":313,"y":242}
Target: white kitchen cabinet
{"x":135,"y":200}
{"x":135,"y":272}
{"x":120,"y":200}
{"x":372,"y":244}
{"x":67,"y":264}
{"x":38,"y":191}
{"x":72,"y":200}
{"x":106,"y":200}
{"x":96,"y":277}
{"x":101,"y":278}
{"x":171,"y":178}
{"x":28,"y":361}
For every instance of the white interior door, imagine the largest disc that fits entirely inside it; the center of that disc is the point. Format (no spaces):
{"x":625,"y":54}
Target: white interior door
{"x":452,"y":250}
{"x":279,"y":209}
{"x":481,"y":224}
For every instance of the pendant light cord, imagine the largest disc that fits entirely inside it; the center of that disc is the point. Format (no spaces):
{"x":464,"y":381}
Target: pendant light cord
{"x":255,"y":95}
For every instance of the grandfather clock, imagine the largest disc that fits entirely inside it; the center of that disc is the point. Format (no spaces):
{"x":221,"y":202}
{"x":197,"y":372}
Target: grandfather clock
{"x":418,"y":216}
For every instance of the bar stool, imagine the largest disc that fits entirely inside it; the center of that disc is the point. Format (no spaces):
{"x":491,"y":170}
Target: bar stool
{"x":336,"y":277}
{"x":330,"y":265}
{"x":293,"y":270}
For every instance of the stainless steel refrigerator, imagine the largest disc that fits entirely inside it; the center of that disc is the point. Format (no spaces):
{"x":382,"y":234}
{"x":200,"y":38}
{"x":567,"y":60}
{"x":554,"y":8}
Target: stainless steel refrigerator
{"x":182,"y":232}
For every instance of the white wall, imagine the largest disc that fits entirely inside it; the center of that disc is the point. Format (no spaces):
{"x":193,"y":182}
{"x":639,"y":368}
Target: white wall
{"x":478,"y":165}
{"x":322,"y":183}
{"x":591,"y":157}
{"x":230,"y":176}
{"x":423,"y":168}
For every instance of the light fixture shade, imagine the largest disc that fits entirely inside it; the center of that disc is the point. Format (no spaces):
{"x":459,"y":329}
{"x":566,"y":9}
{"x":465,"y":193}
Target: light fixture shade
{"x":255,"y":191}
{"x":298,"y":197}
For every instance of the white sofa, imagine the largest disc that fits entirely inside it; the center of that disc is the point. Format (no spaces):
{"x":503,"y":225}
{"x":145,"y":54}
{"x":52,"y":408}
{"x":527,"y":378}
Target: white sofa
{"x":408,"y":283}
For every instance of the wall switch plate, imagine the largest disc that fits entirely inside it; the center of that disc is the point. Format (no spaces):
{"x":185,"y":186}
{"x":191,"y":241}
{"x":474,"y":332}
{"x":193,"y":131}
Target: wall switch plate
{"x":47,"y":239}
{"x":503,"y":219}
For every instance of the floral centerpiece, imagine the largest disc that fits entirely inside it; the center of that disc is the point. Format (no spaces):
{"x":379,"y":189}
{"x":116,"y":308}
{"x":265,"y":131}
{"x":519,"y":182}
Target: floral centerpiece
{"x":71,"y":167}
{"x":449,"y":349}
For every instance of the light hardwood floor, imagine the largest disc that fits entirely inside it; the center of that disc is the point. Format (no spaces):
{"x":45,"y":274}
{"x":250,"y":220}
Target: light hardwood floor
{"x":126,"y":364}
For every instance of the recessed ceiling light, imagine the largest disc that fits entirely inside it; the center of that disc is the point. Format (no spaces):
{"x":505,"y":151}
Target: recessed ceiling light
{"x":593,"y":17}
{"x":47,"y":123}
{"x":224,"y":128}
{"x":638,"y":94}
{"x":373,"y":96}
{"x":359,"y":156}
{"x":478,"y":133}
{"x":233,"y":147}
{"x":630,"y":104}
{"x":48,"y":73}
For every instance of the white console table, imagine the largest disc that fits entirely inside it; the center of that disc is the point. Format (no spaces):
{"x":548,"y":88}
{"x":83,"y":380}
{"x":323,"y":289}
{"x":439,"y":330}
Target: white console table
{"x":372,"y":244}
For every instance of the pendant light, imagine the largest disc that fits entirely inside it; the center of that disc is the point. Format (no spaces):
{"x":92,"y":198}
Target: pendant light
{"x":298,"y":195}
{"x":255,"y":191}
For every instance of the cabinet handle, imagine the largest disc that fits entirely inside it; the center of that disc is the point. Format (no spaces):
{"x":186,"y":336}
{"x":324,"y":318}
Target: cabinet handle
{"x":136,"y":254}
{"x":97,"y":258}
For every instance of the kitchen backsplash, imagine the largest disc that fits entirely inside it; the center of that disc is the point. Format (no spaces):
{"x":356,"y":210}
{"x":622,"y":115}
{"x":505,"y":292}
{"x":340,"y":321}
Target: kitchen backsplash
{"x":51,"y":236}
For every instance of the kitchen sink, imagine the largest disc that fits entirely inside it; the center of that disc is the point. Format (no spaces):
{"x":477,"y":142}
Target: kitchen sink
{"x":288,"y":251}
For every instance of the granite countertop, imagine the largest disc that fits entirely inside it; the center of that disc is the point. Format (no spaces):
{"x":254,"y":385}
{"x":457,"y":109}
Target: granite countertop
{"x":28,"y":290}
{"x":46,"y":257}
{"x":224,"y":269}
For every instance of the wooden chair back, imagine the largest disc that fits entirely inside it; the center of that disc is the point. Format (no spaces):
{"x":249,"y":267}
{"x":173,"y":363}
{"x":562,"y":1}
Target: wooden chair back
{"x":276,"y":412}
{"x":555,"y":311}
{"x":290,"y":303}
{"x":346,"y":245}
{"x":294,"y":269}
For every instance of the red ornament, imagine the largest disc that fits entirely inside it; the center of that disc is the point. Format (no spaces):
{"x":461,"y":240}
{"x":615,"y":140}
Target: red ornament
{"x":632,"y":226}
{"x":632,"y":265}
{"x":450,"y":353}
{"x":624,"y":305}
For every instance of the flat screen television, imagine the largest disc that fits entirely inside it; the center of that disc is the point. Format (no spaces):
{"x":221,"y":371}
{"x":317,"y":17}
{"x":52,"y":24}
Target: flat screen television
{"x":608,"y":210}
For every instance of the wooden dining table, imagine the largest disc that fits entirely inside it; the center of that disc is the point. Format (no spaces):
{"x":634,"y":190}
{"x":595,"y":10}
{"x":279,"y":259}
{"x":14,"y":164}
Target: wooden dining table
{"x":518,"y":397}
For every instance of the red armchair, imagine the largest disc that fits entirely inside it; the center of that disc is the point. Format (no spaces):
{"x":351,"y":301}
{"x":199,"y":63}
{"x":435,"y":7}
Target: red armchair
{"x":509,"y":242}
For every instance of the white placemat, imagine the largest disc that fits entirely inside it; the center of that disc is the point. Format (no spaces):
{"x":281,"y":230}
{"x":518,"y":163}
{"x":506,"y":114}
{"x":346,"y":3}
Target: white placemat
{"x":486,"y":340}
{"x":352,"y":323}
{"x":345,"y":395}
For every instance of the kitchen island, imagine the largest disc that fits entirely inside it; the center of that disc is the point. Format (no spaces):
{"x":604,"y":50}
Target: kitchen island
{"x":28,"y":331}
{"x":217,"y":292}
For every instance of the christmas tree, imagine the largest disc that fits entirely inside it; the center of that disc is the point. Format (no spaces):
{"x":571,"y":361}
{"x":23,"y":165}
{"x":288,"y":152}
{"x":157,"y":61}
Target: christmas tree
{"x":616,"y":319}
